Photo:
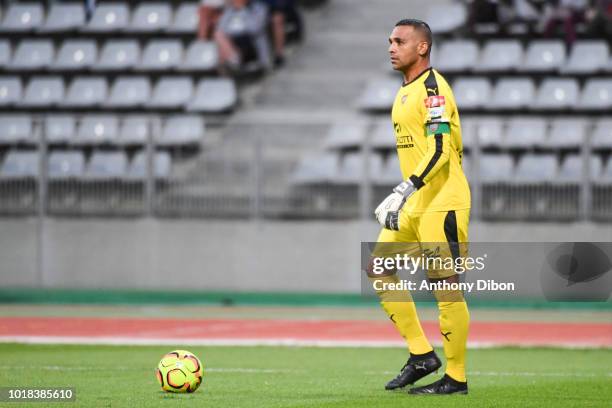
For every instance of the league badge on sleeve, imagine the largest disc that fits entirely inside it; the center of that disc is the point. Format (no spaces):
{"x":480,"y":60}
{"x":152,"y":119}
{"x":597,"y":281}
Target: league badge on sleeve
{"x":435,"y":106}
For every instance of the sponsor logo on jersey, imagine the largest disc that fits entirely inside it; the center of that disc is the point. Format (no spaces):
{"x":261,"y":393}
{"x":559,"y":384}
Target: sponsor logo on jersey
{"x":434,"y":101}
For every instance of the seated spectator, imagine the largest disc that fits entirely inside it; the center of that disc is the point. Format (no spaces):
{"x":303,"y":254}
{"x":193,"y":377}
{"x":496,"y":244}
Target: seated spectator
{"x":209,"y":13}
{"x":567,"y":13}
{"x":599,"y":19}
{"x":241,"y":35}
{"x":282,"y":12}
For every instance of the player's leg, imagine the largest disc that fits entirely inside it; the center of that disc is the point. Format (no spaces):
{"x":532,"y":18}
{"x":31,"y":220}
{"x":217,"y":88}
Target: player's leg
{"x":449,"y":231}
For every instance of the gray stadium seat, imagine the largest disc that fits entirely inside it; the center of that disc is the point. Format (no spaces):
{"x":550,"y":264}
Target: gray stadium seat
{"x":15,"y":128}
{"x":20,"y":164}
{"x":457,"y":56}
{"x":490,"y":132}
{"x":5,"y":53}
{"x":161,"y":55}
{"x":606,"y":176}
{"x":557,"y":94}
{"x":525,"y":132}
{"x":44,"y":92}
{"x":33,"y":54}
{"x":134,"y":130}
{"x":544,"y":55}
{"x":446,"y":18}
{"x":171,"y":92}
{"x":214,"y":95}
{"x":182,"y":130}
{"x":587,"y":57}
{"x":319,"y":168}
{"x":391,"y":174}
{"x":97,"y":129}
{"x":76,"y":55}
{"x":200,"y":56}
{"x":383,"y":136}
{"x":109,"y":17}
{"x":162,"y":166}
{"x":185,"y":19}
{"x":571,"y":169}
{"x":513,"y":93}
{"x":87,"y":92}
{"x":495,"y":168}
{"x":596,"y":95}
{"x":129,"y":92}
{"x":472,"y":93}
{"x":602,"y":134}
{"x":64,"y":17}
{"x":150,"y":17}
{"x":352,"y":168}
{"x":342,"y":135}
{"x":60,"y":128}
{"x":379,"y":94}
{"x":468,"y":130}
{"x":536,"y":168}
{"x":106,"y":166}
{"x":500,"y":55}
{"x":118,"y":55}
{"x":11,"y":90}
{"x":66,"y":164}
{"x":22,"y":17}
{"x":567,"y":133}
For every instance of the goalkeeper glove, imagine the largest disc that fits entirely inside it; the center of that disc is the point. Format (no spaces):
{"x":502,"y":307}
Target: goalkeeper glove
{"x":387,"y":213}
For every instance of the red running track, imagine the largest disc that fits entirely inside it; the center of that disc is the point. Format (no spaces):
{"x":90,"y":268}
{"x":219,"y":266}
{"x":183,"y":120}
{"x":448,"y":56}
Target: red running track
{"x":289,"y":332}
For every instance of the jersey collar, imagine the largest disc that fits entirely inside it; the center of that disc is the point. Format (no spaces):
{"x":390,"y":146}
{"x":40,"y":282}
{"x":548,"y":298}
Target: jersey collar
{"x":417,"y":77}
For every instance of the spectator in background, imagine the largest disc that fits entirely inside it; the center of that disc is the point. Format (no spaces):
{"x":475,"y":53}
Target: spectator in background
{"x":282,"y":11}
{"x":209,"y":12}
{"x":599,"y":19}
{"x":567,"y":13}
{"x":241,"y":35}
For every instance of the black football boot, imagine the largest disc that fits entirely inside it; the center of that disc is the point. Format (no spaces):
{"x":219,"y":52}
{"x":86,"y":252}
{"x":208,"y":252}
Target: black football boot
{"x":444,"y":386}
{"x":417,"y":367}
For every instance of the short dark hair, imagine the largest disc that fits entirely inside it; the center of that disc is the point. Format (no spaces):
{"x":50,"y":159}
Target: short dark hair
{"x":421,"y":26}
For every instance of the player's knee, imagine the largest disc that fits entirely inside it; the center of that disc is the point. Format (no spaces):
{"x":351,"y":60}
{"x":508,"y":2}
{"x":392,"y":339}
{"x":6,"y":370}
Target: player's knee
{"x":376,"y":269}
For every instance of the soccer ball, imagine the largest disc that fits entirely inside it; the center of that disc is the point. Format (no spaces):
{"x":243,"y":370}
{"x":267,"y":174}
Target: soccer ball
{"x":179,"y":371}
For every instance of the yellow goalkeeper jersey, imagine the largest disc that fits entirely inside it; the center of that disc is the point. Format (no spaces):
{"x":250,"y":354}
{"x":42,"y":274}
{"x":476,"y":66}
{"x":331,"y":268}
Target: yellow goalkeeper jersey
{"x":429,"y":146}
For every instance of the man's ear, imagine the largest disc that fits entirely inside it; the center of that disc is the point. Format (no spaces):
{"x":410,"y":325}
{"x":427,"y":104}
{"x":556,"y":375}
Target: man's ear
{"x":423,"y":48}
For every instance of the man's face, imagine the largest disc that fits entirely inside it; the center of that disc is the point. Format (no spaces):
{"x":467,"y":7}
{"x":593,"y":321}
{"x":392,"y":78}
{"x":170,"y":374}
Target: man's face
{"x":239,"y":3}
{"x":406,"y":46}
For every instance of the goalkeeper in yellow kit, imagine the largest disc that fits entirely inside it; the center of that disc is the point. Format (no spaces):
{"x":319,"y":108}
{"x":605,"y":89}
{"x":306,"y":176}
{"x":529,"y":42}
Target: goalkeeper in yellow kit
{"x":430,"y":207}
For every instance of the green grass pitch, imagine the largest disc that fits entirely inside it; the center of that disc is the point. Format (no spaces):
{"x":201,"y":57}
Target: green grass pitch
{"x":120,"y":376}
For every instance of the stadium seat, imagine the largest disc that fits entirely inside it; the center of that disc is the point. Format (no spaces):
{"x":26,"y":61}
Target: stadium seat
{"x":471,"y":93}
{"x":391,"y":174}
{"x":379,"y":94}
{"x":317,"y":168}
{"x":109,"y":17}
{"x":129,"y":92}
{"x":343,"y":135}
{"x":557,"y":94}
{"x":134,"y":130}
{"x":500,"y":55}
{"x":66,"y":164}
{"x":10,"y":90}
{"x":490,"y":132}
{"x":150,"y":17}
{"x":200,"y":56}
{"x":162,"y":166}
{"x":596,"y":95}
{"x":214,"y":95}
{"x":87,"y":92}
{"x":457,"y":56}
{"x":495,"y":168}
{"x":75,"y":55}
{"x":97,"y":129}
{"x":60,"y":129}
{"x":513,"y":93}
{"x":15,"y":128}
{"x":32,"y":55}
{"x":45,"y":91}
{"x":383,"y":136}
{"x":544,"y":55}
{"x":64,"y":17}
{"x":185,"y":19}
{"x":468,"y":131}
{"x":446,"y":18}
{"x":602,"y":134}
{"x":171,"y":92}
{"x":352,"y":168}
{"x":587,"y":57}
{"x":22,"y":17}
{"x":525,"y":132}
{"x":536,"y":168}
{"x":118,"y":55}
{"x":5,"y":53}
{"x":182,"y":130}
{"x":106,"y":166}
{"x":20,"y":164}
{"x":606,"y":175}
{"x":571,"y":169}
{"x":161,"y":55}
{"x":567,"y":133}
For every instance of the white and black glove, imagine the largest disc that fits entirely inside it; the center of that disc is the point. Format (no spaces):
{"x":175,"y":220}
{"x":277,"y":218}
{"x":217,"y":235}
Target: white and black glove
{"x":387,"y":213}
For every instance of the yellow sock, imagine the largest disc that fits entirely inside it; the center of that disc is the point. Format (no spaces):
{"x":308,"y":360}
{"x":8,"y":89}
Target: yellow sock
{"x":454,"y":322}
{"x":401,"y":310}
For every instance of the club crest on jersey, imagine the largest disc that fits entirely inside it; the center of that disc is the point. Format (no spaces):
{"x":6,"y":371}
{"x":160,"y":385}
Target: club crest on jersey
{"x":404,"y":98}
